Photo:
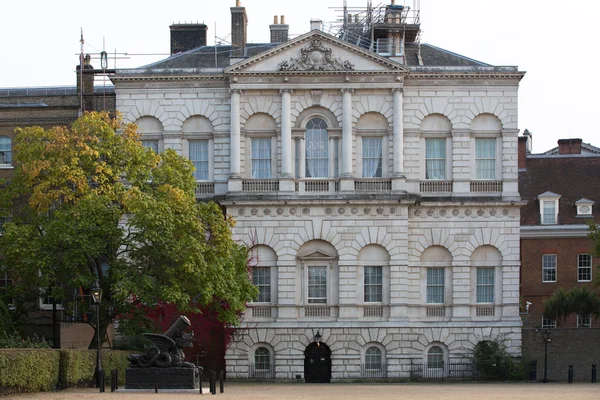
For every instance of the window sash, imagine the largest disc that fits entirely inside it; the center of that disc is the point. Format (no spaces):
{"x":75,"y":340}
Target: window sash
{"x":435,"y":158}
{"x":151,"y":144}
{"x":485,"y":285}
{"x":584,"y":267}
{"x":373,"y":284}
{"x":5,"y":150}
{"x":317,"y":285}
{"x":198,"y":154}
{"x":548,"y":323}
{"x":549,"y":268}
{"x":435,"y":285}
{"x":372,"y":159}
{"x":261,"y":158}
{"x":373,"y":359}
{"x":435,"y":358}
{"x":485,"y":158}
{"x":548,"y":212}
{"x":584,"y":321}
{"x":262,"y":359}
{"x":317,"y":149}
{"x":261,"y":278}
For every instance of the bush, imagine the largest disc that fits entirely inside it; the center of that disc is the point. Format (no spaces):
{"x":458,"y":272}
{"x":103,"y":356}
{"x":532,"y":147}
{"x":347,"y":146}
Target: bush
{"x":492,"y":362}
{"x":28,"y":370}
{"x":77,"y":367}
{"x":16,"y":342}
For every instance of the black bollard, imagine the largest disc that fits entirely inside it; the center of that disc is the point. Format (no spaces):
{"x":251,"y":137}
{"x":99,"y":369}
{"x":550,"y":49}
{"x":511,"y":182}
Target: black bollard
{"x":101,"y":381}
{"x":156,"y":382}
{"x":221,"y":381}
{"x":112,"y":380}
{"x":570,"y":373}
{"x":593,"y":373}
{"x":200,"y":378}
{"x":213,"y":378}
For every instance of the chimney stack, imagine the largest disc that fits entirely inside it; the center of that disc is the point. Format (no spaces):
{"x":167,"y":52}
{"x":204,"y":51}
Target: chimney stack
{"x":88,"y":83}
{"x":279,"y":32}
{"x":316,"y":24}
{"x":239,"y":27}
{"x":569,"y":146}
{"x":186,"y":37}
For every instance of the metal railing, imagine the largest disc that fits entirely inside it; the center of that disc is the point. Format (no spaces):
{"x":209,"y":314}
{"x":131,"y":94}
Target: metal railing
{"x":372,"y":185}
{"x":486,"y":186}
{"x":370,"y":371}
{"x":260,"y":185}
{"x":261,"y":372}
{"x":448,"y":371}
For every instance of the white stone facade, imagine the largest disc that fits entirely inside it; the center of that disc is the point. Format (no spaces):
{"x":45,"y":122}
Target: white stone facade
{"x":392,"y":226}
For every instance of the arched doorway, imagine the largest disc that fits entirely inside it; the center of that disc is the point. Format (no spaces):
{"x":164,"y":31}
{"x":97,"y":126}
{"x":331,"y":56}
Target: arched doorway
{"x":317,"y":363}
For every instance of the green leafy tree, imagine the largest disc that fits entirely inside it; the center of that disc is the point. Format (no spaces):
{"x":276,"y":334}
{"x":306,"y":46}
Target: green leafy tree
{"x":578,"y":300}
{"x":91,"y":203}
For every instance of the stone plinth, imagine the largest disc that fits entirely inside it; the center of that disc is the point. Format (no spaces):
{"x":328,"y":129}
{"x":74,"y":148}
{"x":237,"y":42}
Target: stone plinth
{"x":167,"y":378}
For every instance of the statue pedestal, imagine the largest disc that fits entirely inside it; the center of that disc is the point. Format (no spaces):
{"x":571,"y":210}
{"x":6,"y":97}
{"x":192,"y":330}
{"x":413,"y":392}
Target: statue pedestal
{"x":167,"y":378}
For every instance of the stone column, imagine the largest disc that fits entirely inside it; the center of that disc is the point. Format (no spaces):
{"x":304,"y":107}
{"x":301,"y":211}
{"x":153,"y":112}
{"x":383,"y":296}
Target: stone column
{"x":347,"y":133}
{"x":332,"y":143}
{"x":398,"y":134}
{"x":302,"y":158}
{"x":286,"y":133}
{"x":235,"y":144}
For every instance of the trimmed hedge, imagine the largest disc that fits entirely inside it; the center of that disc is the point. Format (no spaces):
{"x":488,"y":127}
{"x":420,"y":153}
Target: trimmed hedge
{"x":33,"y":370}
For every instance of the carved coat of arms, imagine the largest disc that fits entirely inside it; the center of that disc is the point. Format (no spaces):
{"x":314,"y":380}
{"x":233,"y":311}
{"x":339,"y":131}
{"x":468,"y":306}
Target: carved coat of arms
{"x":316,"y":57}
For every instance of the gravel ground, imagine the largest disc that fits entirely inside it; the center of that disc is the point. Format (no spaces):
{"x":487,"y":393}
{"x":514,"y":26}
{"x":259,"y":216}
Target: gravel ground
{"x":462,"y":391}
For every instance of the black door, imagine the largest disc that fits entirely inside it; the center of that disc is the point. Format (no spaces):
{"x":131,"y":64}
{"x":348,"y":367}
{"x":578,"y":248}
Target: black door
{"x":317,"y":363}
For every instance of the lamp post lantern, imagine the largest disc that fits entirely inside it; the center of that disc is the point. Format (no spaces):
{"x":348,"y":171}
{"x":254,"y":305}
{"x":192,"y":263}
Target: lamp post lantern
{"x":96,"y":292}
{"x":317,"y":339}
{"x":546,"y":336}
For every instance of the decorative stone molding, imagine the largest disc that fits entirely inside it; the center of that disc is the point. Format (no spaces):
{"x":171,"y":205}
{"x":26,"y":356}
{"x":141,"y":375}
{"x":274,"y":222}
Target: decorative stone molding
{"x":315,"y":57}
{"x":316,"y":96}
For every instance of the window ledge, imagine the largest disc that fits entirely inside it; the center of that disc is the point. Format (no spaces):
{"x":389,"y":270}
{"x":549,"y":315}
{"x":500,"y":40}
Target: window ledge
{"x":6,"y":166}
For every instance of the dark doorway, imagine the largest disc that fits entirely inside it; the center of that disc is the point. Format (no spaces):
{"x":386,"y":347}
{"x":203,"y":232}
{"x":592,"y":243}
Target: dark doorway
{"x":317,"y":363}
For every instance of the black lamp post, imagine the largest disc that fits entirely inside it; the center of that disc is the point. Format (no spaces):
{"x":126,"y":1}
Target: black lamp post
{"x":546,"y":336}
{"x":96,"y":292}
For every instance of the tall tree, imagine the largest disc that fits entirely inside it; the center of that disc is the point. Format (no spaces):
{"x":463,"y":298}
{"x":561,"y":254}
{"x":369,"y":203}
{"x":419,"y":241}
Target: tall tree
{"x":582,"y":301}
{"x":91,"y":203}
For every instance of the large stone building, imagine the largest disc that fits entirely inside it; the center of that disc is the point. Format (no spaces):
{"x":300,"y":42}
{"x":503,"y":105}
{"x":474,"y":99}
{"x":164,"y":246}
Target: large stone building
{"x":375,"y":183}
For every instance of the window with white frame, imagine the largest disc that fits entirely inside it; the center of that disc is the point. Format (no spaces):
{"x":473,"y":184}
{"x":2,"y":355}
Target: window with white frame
{"x":262,"y":359}
{"x":549,"y":268}
{"x":5,"y":150}
{"x":261,"y":278}
{"x":435,"y":285}
{"x":485,"y":285}
{"x":548,"y":323}
{"x":548,"y":212}
{"x":317,"y":285}
{"x":435,"y":158}
{"x":317,"y":149}
{"x":373,"y":359}
{"x":373,"y":284}
{"x":261,"y":158}
{"x":46,"y":300}
{"x":5,"y":216}
{"x":584,"y":321}
{"x":151,"y":144}
{"x":584,"y":267}
{"x":584,"y":207}
{"x":199,"y":157}
{"x":435,"y":358}
{"x":485,"y":158}
{"x":372,"y":159}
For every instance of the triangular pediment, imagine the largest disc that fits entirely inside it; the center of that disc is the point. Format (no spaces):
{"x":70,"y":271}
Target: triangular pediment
{"x":315,"y":255}
{"x":316,"y":52}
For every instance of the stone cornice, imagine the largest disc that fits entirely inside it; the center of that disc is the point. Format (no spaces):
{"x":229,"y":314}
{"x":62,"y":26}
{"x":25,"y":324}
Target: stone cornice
{"x":167,"y":77}
{"x":554,"y":231}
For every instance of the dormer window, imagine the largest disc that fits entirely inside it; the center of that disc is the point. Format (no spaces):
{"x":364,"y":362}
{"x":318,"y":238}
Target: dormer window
{"x":549,"y":208}
{"x":584,"y":207}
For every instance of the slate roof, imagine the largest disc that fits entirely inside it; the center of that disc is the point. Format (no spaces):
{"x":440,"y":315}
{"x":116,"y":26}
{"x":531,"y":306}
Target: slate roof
{"x":204,"y":57}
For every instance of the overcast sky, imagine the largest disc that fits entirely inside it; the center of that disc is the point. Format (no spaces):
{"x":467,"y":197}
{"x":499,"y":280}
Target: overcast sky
{"x":556,"y":42}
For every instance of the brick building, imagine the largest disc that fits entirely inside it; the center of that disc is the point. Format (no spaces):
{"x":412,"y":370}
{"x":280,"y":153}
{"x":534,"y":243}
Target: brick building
{"x":561,"y":188}
{"x":375,"y":183}
{"x":48,"y":107}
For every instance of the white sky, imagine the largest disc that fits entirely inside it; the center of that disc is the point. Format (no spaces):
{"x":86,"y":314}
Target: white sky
{"x":555,"y":42}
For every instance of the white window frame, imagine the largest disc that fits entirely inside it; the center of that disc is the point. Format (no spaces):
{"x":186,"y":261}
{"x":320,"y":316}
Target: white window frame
{"x":585,"y":267}
{"x":210,"y":160}
{"x":435,"y":285}
{"x":446,"y":169}
{"x":546,"y":266}
{"x":493,"y":285}
{"x":584,"y":208}
{"x":548,"y":323}
{"x":368,"y":358}
{"x":379,"y":284}
{"x":361,"y":158}
{"x":328,"y":157}
{"x":259,"y":285}
{"x":441,"y":355}
{"x":547,"y":198}
{"x":7,"y":165}
{"x":48,"y":306}
{"x":267,"y":356}
{"x":497,"y":156}
{"x":272,"y":156}
{"x":154,"y":147}
{"x":584,"y":322}
{"x":326,"y":268}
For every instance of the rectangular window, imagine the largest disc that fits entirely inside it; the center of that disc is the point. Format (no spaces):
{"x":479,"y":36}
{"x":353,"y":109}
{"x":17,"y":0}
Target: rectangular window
{"x":5,"y":285}
{"x":317,"y":285}
{"x":485,"y":158}
{"x":317,"y":153}
{"x":5,"y":216}
{"x":584,"y":321}
{"x":372,"y":157}
{"x":261,"y":158}
{"x":199,"y":157}
{"x":261,"y":278}
{"x":548,"y":323}
{"x":584,"y":267}
{"x":46,"y":300}
{"x":549,"y":268}
{"x":485,"y":285}
{"x":5,"y":150}
{"x":435,"y":158}
{"x":435,"y":285}
{"x":548,"y":212}
{"x":373,"y":285}
{"x":151,"y":144}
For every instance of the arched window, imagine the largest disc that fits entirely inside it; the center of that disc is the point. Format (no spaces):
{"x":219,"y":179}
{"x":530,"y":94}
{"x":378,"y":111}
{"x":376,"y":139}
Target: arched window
{"x":262,"y":359}
{"x":373,"y":358}
{"x":5,"y":150}
{"x":435,"y":358}
{"x":317,"y":149}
